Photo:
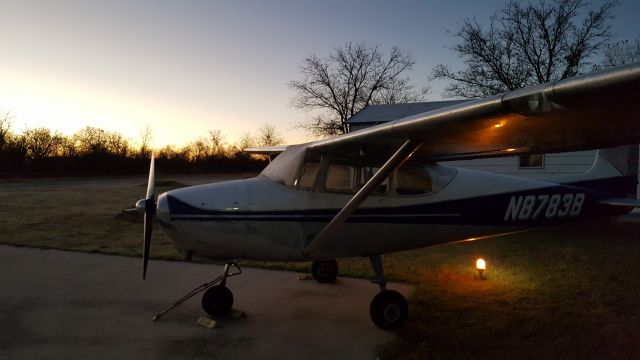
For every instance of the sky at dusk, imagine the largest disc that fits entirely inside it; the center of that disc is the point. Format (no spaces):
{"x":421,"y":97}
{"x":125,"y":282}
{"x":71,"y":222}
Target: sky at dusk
{"x":185,"y":67}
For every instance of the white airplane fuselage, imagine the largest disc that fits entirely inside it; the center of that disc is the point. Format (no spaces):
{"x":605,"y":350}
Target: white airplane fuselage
{"x":262,"y":219}
{"x":380,"y":189}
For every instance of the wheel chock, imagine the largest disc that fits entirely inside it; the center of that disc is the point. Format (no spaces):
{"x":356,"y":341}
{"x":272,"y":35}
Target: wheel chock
{"x":302,"y":277}
{"x":206,"y":322}
{"x":237,"y":314}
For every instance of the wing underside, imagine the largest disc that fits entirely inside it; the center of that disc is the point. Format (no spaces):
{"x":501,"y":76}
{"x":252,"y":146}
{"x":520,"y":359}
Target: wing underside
{"x":596,"y":110}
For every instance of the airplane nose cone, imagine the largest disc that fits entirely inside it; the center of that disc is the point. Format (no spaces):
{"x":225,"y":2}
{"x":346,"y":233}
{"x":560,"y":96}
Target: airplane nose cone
{"x":163,"y":209}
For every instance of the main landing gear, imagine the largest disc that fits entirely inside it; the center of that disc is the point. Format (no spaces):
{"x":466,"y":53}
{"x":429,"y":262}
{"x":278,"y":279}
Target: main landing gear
{"x":389,"y":309}
{"x":325,"y":271}
{"x":217,"y":299}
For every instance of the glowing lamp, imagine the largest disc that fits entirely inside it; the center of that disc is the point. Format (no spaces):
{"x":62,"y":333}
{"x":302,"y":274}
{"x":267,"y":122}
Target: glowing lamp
{"x":481,"y":265}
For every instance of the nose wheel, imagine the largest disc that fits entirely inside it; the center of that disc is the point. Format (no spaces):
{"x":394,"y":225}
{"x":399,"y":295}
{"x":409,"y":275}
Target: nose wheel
{"x":389,"y":309}
{"x":217,"y":299}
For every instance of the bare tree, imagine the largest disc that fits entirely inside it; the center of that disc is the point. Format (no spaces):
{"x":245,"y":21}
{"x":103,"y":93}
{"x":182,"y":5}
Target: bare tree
{"x":350,"y":78}
{"x":245,"y":141}
{"x":90,"y":140}
{"x":117,"y":144}
{"x":526,"y":44}
{"x":40,"y":143}
{"x":68,"y":147}
{"x":5,"y":129}
{"x":167,"y":152}
{"x":146,"y":136}
{"x":198,"y":149}
{"x":216,"y":142}
{"x":268,"y":135}
{"x":621,"y":52}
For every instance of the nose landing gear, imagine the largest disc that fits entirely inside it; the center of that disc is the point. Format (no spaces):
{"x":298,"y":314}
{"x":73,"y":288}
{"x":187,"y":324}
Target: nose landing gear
{"x":217,"y":299}
{"x":389,"y":309}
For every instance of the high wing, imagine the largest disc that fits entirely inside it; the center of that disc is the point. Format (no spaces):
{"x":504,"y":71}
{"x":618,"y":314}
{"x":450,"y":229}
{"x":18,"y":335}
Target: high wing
{"x":595,"y":110}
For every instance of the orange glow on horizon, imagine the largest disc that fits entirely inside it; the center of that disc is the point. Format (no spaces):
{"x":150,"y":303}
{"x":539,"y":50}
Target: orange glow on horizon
{"x":66,"y":106}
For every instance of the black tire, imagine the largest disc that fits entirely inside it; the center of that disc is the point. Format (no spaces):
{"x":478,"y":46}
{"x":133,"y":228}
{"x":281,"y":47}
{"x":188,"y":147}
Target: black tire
{"x":325,"y":271}
{"x":217,"y":300}
{"x":389,"y":310}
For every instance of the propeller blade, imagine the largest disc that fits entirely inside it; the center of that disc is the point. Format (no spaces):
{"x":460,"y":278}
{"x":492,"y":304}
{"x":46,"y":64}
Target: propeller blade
{"x":148,"y":227}
{"x":151,"y":184}
{"x":149,"y":210}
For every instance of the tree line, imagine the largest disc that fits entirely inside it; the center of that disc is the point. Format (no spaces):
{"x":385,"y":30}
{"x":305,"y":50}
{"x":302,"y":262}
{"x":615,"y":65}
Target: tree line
{"x":39,"y":152}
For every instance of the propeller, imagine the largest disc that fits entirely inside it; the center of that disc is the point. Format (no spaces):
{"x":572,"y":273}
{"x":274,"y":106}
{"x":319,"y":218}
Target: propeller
{"x":148,"y":206}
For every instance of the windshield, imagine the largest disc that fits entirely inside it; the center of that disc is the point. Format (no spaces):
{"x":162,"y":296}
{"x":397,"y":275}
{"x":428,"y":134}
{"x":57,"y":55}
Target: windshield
{"x":284,"y":168}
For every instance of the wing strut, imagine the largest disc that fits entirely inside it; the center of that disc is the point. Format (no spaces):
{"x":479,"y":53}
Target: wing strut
{"x":403,"y":154}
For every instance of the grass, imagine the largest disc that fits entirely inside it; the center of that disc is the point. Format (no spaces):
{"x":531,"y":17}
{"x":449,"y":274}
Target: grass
{"x":74,"y":215}
{"x":562,"y":293}
{"x":567,"y":292}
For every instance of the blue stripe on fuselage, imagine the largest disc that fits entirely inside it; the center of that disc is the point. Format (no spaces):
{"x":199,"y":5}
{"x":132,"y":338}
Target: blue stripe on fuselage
{"x":483,"y":210}
{"x":618,"y":186}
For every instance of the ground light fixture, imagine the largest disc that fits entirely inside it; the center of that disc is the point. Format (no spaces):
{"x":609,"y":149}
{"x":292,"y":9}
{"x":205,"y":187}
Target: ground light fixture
{"x":481,"y":266}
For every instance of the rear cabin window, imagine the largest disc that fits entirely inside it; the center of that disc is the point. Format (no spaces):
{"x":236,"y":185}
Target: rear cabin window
{"x":413,"y":180}
{"x":531,"y":161}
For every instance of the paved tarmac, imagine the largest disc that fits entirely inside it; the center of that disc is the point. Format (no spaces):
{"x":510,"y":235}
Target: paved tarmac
{"x":66,"y":305}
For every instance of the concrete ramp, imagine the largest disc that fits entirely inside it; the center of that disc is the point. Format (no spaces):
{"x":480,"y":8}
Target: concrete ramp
{"x":57,"y":304}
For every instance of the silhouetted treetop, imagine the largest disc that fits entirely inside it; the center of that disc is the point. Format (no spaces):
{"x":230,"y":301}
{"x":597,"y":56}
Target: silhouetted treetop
{"x":526,"y":44}
{"x":351,"y":77}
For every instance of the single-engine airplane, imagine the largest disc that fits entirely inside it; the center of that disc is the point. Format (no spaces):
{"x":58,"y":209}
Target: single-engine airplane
{"x":382,"y":189}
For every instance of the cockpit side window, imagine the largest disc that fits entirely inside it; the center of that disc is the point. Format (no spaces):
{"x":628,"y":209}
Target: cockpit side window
{"x":365,"y":173}
{"x":340,"y":178}
{"x":308,"y":175}
{"x":336,"y":174}
{"x":351,"y":178}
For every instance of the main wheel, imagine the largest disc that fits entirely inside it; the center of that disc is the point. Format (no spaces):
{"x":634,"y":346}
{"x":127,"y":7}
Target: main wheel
{"x":325,"y":271}
{"x":389,"y":310}
{"x":217,"y":300}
